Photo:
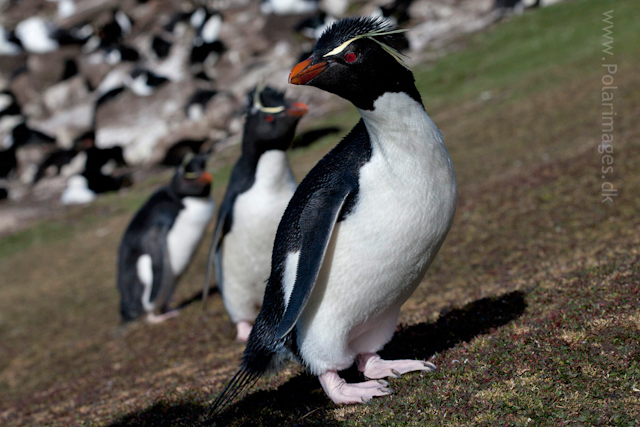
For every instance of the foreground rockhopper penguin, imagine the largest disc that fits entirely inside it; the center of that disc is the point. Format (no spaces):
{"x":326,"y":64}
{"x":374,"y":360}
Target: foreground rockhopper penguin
{"x":259,"y":190}
{"x":159,"y":244}
{"x":361,"y":229}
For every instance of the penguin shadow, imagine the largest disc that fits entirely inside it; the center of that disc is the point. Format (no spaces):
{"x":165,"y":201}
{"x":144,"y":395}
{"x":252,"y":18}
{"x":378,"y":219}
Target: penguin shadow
{"x":301,"y":400}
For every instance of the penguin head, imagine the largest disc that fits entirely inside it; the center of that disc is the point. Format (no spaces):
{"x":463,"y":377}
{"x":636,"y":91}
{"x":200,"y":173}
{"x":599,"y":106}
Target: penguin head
{"x":191,"y":178}
{"x":271,"y":120}
{"x":355,"y":59}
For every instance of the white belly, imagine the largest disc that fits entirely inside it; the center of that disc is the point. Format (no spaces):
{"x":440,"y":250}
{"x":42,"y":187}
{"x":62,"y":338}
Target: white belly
{"x":187,"y":231}
{"x":378,"y":255}
{"x":246,"y":249}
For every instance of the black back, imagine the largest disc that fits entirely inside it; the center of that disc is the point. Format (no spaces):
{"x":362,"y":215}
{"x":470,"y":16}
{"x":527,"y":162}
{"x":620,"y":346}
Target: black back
{"x":161,"y":47}
{"x":8,"y":161}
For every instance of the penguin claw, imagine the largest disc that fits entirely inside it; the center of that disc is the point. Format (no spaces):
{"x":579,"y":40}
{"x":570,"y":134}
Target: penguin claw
{"x":372,"y":366}
{"x":341,"y":392}
{"x":431,"y":366}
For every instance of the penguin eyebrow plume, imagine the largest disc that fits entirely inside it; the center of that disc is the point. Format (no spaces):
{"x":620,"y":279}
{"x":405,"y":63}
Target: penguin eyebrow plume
{"x":348,"y":30}
{"x":262,"y":91}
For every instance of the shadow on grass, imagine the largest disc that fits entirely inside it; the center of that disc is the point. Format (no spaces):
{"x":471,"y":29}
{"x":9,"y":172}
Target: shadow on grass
{"x":197,"y":297}
{"x":301,"y":401}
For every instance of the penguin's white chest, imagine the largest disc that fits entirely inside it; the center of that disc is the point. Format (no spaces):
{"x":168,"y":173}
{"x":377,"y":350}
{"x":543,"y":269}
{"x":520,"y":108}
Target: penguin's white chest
{"x":256,"y":215}
{"x":187,"y":231}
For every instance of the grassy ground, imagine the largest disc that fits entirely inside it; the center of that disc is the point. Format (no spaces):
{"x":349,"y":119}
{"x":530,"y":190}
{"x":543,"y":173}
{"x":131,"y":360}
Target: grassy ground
{"x":530,"y":312}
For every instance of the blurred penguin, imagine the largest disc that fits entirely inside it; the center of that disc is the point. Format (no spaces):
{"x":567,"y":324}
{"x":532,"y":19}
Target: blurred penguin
{"x":259,"y":190}
{"x":288,"y":7}
{"x":161,"y":240}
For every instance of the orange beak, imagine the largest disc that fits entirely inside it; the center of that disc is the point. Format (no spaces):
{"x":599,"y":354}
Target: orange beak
{"x":205,"y":178}
{"x":297,"y":109}
{"x":304,"y":72}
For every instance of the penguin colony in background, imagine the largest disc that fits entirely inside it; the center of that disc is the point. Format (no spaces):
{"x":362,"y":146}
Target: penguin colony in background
{"x":361,"y":229}
{"x":102,"y":44}
{"x":259,"y":190}
{"x":160,"y":241}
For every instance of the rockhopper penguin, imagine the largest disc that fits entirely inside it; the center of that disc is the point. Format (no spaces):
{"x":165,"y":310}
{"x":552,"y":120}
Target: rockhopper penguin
{"x":159,"y":244}
{"x":259,"y":190}
{"x":361,"y":229}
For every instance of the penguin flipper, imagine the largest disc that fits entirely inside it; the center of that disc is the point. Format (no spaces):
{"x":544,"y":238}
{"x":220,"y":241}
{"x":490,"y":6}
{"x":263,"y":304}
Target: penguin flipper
{"x":317,"y":222}
{"x":163,"y":278}
{"x":214,"y":261}
{"x":237,"y":185}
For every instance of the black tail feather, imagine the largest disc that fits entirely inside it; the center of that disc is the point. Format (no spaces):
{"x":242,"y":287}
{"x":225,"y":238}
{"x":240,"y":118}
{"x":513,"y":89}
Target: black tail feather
{"x":238,"y":383}
{"x":256,"y":361}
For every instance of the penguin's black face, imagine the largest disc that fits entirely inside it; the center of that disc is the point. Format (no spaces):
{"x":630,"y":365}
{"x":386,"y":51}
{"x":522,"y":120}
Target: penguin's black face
{"x":271,"y":122}
{"x":192,"y":179}
{"x":355,"y":66}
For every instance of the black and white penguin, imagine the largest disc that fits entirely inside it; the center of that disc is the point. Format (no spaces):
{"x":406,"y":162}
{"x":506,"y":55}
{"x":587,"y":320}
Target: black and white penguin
{"x":177,"y":151}
{"x":197,"y":104}
{"x":9,"y":43}
{"x":35,"y":35}
{"x":115,"y":30}
{"x":207,"y":24}
{"x":161,"y":240}
{"x":313,"y":26}
{"x":362,"y":228}
{"x":160,"y":46}
{"x":119,"y":52}
{"x":99,"y":169}
{"x":397,"y":12}
{"x":39,"y":36}
{"x":9,"y":105}
{"x":288,"y":7}
{"x":144,"y":82}
{"x":19,"y":136}
{"x":259,"y":190}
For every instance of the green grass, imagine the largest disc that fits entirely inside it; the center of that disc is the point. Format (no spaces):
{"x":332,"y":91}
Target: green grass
{"x":530,"y":311}
{"x":544,"y":48}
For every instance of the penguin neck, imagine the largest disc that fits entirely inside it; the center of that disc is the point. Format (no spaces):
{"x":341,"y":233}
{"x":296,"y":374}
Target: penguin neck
{"x":272,"y":169}
{"x":403,"y":133}
{"x":253,"y":150}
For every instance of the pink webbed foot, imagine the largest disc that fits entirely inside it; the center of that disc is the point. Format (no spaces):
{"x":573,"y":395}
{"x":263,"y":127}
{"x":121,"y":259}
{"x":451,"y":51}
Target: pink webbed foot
{"x":341,"y":392}
{"x":158,"y":318}
{"x":244,"y":329}
{"x":372,"y":366}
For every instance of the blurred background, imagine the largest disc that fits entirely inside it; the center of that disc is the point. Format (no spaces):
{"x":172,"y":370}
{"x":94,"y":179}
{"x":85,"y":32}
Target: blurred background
{"x":99,"y":101}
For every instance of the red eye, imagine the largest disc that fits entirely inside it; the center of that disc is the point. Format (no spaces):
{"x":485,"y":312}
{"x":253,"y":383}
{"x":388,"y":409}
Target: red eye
{"x":269,"y":118}
{"x":350,"y":57}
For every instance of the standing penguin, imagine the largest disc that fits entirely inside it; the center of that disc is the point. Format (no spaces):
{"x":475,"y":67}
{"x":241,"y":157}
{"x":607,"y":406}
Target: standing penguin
{"x":259,"y":190}
{"x":161,"y":240}
{"x":362,"y":227}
